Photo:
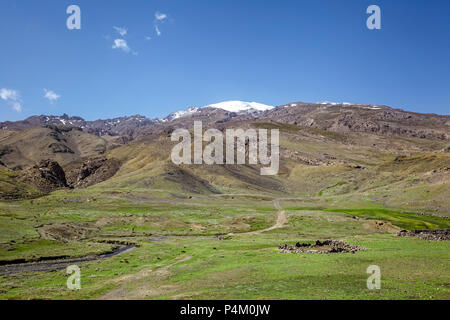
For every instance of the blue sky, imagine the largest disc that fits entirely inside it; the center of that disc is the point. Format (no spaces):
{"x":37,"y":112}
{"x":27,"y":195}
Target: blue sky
{"x":273,"y":52}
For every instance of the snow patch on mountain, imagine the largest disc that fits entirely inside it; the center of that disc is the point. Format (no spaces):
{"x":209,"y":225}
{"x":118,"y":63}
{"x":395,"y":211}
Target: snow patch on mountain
{"x":239,"y":106}
{"x":180,"y":114}
{"x":365,"y":106}
{"x":335,"y":103}
{"x":230,"y":106}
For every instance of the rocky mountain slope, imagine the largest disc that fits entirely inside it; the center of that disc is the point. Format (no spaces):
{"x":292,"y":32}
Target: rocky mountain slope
{"x":122,"y":126}
{"x":340,"y":117}
{"x":366,"y":153}
{"x":363,"y":118}
{"x":63,"y":144}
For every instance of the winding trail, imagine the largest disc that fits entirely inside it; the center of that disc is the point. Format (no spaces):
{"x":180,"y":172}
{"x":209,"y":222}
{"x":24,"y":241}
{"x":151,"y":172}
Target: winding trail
{"x":281,"y":221}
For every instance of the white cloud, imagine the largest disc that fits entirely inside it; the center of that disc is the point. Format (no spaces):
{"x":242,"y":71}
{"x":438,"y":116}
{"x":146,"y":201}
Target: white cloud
{"x":9,"y":94}
{"x":51,"y":95}
{"x":122,"y":45}
{"x":12,"y":97}
{"x":158,"y":32}
{"x":122,"y":31}
{"x":17,"y":106}
{"x":160,"y":16}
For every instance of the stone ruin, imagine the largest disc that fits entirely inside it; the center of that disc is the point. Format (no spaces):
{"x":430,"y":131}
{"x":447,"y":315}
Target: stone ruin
{"x":321,"y":247}
{"x":432,"y":235}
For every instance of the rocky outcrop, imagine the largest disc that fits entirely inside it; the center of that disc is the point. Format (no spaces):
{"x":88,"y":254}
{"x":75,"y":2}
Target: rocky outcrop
{"x":96,"y":170}
{"x":47,"y":176}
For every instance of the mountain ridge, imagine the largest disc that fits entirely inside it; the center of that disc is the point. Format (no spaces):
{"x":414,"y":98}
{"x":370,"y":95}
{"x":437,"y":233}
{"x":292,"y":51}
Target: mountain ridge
{"x":370,"y":153}
{"x":131,"y":126}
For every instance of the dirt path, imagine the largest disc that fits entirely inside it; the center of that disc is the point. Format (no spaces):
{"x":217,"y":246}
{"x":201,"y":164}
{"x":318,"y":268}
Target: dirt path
{"x":58,"y":264}
{"x":281,"y":221}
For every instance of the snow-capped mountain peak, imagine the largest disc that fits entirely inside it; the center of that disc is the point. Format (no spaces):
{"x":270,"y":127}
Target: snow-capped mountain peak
{"x":239,"y":106}
{"x":230,"y":106}
{"x":180,"y":114}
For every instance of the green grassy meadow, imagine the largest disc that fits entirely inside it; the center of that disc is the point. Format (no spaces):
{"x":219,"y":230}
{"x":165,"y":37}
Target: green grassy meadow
{"x":180,"y":255}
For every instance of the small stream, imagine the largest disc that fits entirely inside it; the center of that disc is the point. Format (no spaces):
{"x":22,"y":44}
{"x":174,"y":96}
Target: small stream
{"x":58,"y":264}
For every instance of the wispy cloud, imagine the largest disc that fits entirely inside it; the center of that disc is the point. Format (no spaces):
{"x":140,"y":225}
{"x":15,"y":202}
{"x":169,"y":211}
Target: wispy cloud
{"x":122,"y":45}
{"x":51,"y":96}
{"x":17,"y":107}
{"x":122,"y":31}
{"x":9,"y":94}
{"x":160,"y":16}
{"x":12,"y":97}
{"x":158,"y":32}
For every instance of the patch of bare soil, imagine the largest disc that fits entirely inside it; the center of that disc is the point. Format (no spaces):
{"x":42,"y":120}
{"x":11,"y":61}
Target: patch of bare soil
{"x":65,"y":232}
{"x":327,"y":246}
{"x":432,"y":235}
{"x":197,"y":227}
{"x":382,"y":226}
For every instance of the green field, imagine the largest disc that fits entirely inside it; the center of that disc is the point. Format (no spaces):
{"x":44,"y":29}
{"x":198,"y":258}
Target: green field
{"x":180,"y":255}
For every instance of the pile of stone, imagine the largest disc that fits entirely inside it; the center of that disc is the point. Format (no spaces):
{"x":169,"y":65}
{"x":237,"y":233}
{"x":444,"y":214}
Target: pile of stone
{"x":327,"y":246}
{"x":432,"y":235}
